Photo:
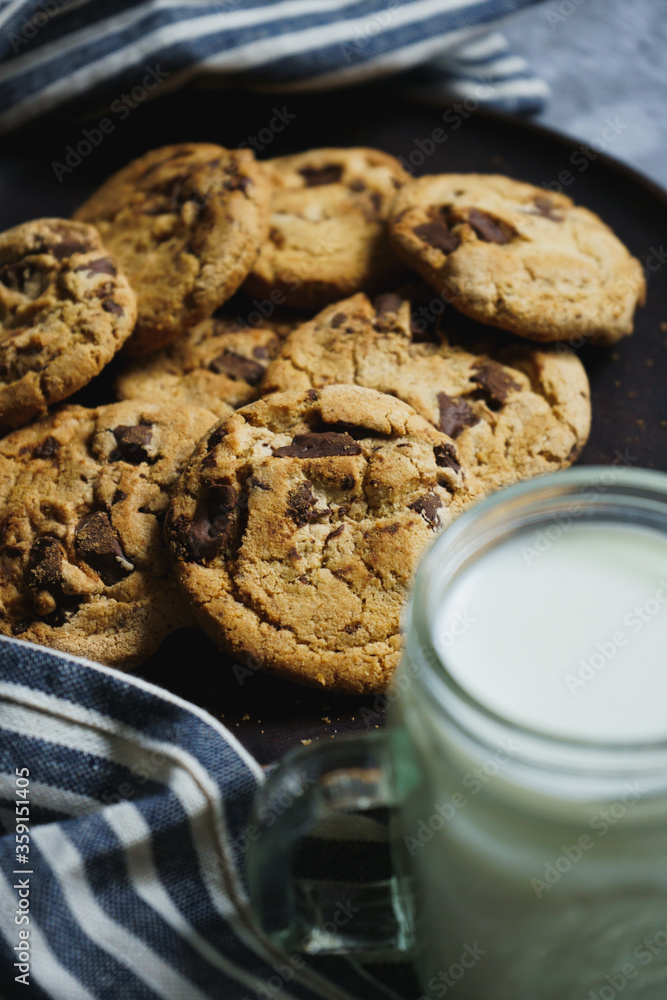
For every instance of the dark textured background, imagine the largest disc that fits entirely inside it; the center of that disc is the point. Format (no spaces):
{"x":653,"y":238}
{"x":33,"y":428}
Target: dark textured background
{"x":602,"y":59}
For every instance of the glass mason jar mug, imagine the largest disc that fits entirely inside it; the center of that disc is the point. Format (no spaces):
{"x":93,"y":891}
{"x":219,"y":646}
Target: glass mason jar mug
{"x":531,"y":854}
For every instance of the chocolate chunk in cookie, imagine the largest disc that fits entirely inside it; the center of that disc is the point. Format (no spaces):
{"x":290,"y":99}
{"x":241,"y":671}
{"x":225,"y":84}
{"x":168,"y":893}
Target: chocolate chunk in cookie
{"x":45,"y":564}
{"x":545,"y":207}
{"x":488,"y":228}
{"x":47,"y":448}
{"x":455,"y":414}
{"x":331,"y":173}
{"x":97,"y":545}
{"x":428,"y":506}
{"x":319,"y":444}
{"x":495,"y":380}
{"x":438,"y":235}
{"x":132,"y":443}
{"x":212,"y":523}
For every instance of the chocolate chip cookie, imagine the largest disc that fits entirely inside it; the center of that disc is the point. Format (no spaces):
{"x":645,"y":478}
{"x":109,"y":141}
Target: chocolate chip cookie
{"x":186,"y":223}
{"x":328,"y":234}
{"x":298,"y":524}
{"x":518,"y":257}
{"x":218,"y":364}
{"x":65,"y":309}
{"x":83,"y":564}
{"x":514,"y":411}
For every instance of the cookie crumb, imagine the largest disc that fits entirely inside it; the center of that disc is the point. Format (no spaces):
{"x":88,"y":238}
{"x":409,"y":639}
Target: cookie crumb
{"x":305,"y":743}
{"x":245,"y":718}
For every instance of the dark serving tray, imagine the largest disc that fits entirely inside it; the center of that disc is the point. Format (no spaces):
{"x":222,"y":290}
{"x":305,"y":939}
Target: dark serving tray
{"x":629,"y":381}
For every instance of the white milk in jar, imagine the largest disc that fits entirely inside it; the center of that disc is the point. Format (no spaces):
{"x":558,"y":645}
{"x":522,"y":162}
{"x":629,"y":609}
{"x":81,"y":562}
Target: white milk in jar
{"x":538,"y":827}
{"x":568,"y":637}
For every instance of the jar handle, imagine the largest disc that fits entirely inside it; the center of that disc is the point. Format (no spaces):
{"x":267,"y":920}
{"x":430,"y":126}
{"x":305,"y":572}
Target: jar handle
{"x":354,"y":773}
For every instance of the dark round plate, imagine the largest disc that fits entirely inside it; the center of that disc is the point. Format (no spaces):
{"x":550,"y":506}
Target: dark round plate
{"x":50,"y":170}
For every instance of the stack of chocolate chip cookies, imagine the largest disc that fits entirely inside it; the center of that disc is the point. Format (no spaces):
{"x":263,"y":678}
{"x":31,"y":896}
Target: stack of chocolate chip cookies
{"x":318,"y":363}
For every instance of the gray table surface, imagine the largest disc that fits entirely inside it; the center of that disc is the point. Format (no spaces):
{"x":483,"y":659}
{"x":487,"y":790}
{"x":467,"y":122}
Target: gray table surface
{"x":604,"y":60}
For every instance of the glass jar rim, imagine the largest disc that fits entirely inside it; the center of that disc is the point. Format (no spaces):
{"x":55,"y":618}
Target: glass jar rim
{"x":603,"y":493}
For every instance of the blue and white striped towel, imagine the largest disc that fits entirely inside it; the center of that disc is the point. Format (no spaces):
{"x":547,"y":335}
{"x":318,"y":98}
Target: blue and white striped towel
{"x":134,"y":885}
{"x":81,"y":54}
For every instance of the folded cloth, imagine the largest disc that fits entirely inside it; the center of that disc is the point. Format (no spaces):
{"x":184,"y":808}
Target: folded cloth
{"x":130,"y":878}
{"x":85,"y":53}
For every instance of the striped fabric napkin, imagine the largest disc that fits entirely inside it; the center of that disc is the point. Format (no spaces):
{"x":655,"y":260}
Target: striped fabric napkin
{"x":123,"y":815}
{"x":83,"y":54}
